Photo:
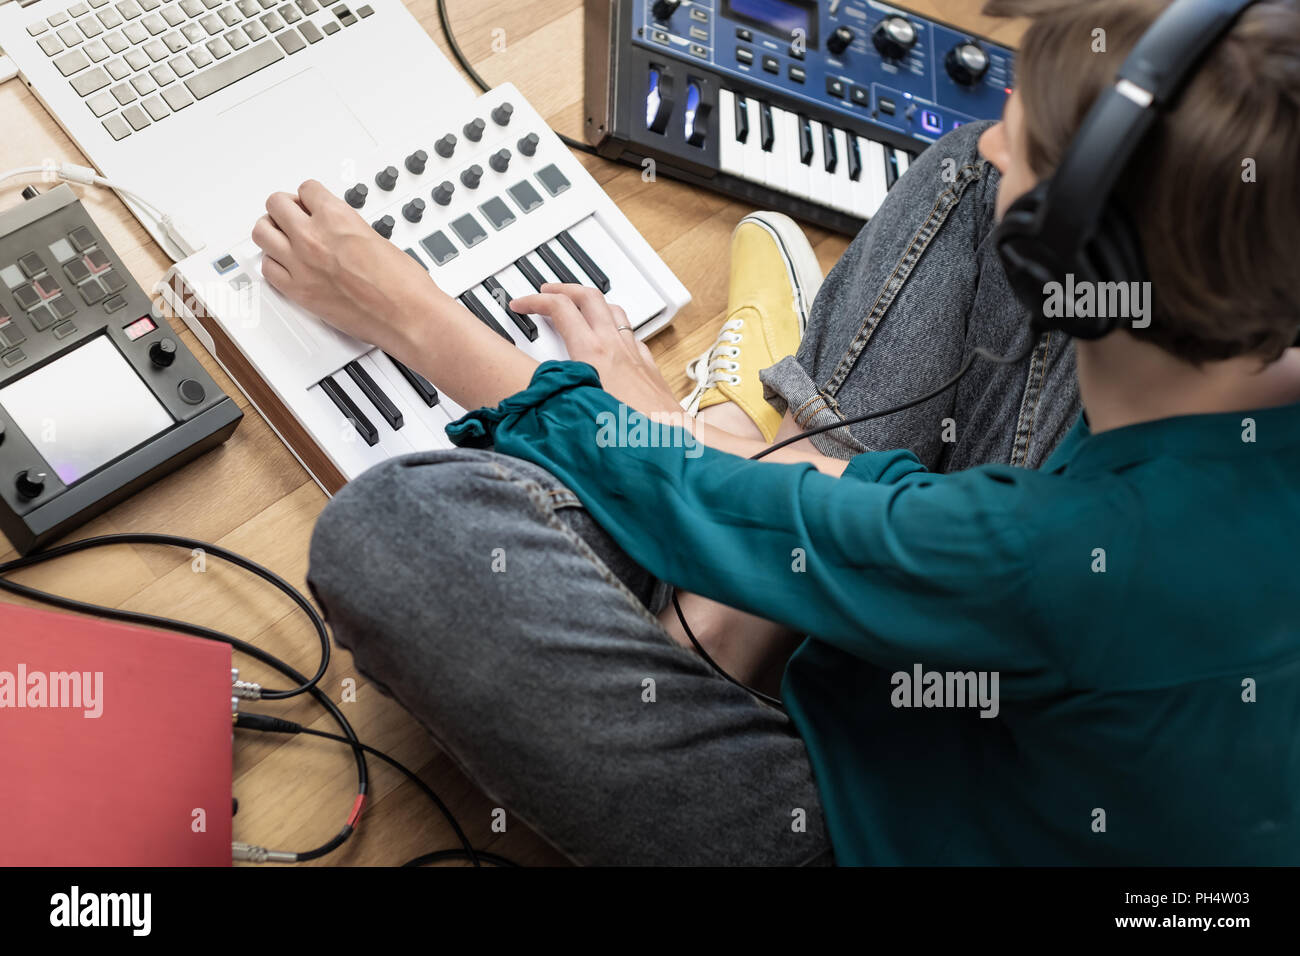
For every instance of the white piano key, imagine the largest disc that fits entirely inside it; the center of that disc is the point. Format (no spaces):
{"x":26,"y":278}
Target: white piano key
{"x":422,"y":426}
{"x":390,"y":442}
{"x":335,"y":434}
{"x":902,"y":161}
{"x":435,"y":418}
{"x":549,"y":345}
{"x":873,"y":173}
{"x":776,"y":176}
{"x":629,"y":289}
{"x":730,"y":152}
{"x":755,"y":160}
{"x":797,"y":172}
{"x":842,"y":187}
{"x":820,"y":182}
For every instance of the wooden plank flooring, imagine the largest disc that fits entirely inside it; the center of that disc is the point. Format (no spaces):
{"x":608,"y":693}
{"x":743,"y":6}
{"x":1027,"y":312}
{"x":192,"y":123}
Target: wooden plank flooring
{"x":252,"y":496}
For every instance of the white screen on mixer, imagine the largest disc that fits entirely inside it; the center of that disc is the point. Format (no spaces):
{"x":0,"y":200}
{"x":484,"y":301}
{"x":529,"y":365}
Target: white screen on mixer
{"x":84,"y":409}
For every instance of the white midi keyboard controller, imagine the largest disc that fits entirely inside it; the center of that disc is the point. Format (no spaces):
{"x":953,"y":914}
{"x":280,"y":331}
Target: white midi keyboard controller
{"x":492,"y":204}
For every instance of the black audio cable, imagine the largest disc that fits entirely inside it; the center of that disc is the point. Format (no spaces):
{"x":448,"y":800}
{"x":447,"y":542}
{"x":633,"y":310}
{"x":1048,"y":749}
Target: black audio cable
{"x":445,"y":22}
{"x":967,"y":363}
{"x":255,"y":721}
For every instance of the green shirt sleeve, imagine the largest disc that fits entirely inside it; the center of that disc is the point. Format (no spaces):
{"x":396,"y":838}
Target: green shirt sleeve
{"x":890,"y":563}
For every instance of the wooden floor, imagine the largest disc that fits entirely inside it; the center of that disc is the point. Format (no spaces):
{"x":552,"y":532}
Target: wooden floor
{"x":252,"y":496}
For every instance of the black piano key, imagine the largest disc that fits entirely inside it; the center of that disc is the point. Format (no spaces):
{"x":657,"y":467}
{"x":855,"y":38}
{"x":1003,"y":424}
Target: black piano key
{"x":830,"y":154}
{"x":502,"y":298}
{"x":805,"y":141}
{"x":555,"y":265}
{"x":742,"y":119}
{"x":765,"y":127}
{"x":350,"y":411}
{"x":535,"y":278}
{"x":855,"y":158}
{"x":484,"y":316}
{"x":370,"y":388}
{"x":584,"y":261}
{"x":423,"y":387}
{"x":891,"y":169}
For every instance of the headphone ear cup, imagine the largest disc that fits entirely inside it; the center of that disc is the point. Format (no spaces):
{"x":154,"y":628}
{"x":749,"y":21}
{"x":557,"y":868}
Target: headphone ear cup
{"x":1019,"y":243}
{"x":1113,"y":255}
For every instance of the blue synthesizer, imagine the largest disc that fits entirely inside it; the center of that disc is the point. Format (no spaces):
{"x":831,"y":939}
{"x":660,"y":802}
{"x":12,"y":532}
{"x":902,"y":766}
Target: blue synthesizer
{"x":810,"y":107}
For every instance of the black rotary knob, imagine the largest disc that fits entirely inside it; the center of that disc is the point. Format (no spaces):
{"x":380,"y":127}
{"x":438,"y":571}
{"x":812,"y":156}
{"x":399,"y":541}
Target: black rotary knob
{"x":474,"y":130}
{"x":500,"y":160}
{"x":30,"y":484}
{"x":162,"y":353}
{"x":839,"y":41}
{"x":967,"y":63}
{"x":528,"y":145}
{"x":894,"y":37}
{"x":414,"y":210}
{"x":356,"y":196}
{"x":386,"y":178}
{"x":416,"y":161}
{"x":445,"y":146}
{"x":471,"y":176}
{"x":384,"y":226}
{"x":442,"y":192}
{"x":663,"y":9}
{"x":501,"y":115}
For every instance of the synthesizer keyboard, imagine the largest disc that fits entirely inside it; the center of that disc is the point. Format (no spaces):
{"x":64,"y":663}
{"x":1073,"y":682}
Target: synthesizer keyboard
{"x":493,"y":204}
{"x":811,"y":108}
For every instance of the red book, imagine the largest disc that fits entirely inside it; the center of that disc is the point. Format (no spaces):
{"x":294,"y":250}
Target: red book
{"x":115,"y":742}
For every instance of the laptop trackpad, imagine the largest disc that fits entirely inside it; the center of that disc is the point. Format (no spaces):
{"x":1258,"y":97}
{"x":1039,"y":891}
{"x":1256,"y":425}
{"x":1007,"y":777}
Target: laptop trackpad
{"x":322,"y":124}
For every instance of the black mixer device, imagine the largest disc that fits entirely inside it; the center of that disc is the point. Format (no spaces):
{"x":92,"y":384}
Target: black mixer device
{"x":98,"y":398}
{"x":810,"y":107}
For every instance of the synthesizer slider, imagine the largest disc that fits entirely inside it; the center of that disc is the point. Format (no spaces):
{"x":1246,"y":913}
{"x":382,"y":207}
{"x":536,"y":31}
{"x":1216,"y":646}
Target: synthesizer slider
{"x":811,"y":108}
{"x":493,"y":204}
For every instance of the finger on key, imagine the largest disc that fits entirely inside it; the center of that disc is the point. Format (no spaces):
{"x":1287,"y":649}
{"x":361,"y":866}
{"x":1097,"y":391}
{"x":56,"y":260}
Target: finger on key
{"x":287,"y":214}
{"x":564,"y":315}
{"x":312,"y":195}
{"x":268,"y":237}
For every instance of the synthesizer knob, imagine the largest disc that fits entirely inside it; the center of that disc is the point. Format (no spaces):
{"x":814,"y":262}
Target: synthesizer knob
{"x":416,"y":161}
{"x":471,"y":176}
{"x":356,"y":196}
{"x":893,"y":37}
{"x":30,"y":484}
{"x":528,"y":145}
{"x":839,"y":41}
{"x":442,"y":193}
{"x":414,"y":210}
{"x":162,"y":353}
{"x":501,"y":115}
{"x":474,"y":130}
{"x":384,"y":226}
{"x":386,"y":179}
{"x":500,"y":160}
{"x":445,"y":146}
{"x":663,"y":9}
{"x":967,"y":63}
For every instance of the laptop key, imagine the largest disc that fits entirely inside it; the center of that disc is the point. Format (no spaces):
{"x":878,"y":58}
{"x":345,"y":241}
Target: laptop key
{"x":237,"y":67}
{"x":173,"y":15}
{"x":229,"y":15}
{"x":116,"y":42}
{"x":124,"y":93}
{"x":156,"y":108}
{"x":135,"y":116}
{"x":219,"y":48}
{"x":237,"y":39}
{"x":177,"y":97}
{"x":135,"y":33}
{"x":129,"y":9}
{"x":96,"y":50}
{"x":102,"y":104}
{"x":91,"y":81}
{"x":291,"y":41}
{"x":162,"y":74}
{"x":137,"y":59}
{"x":50,"y":44}
{"x":118,"y":68}
{"x":71,"y":62}
{"x":200,"y":57}
{"x":174,"y":42}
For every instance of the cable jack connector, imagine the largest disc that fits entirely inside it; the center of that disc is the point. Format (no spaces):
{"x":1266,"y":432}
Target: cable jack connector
{"x":248,"y":853}
{"x":244,"y":689}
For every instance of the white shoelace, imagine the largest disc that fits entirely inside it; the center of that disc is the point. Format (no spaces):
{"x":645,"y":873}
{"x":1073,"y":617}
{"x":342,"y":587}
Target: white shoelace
{"x":716,"y":366}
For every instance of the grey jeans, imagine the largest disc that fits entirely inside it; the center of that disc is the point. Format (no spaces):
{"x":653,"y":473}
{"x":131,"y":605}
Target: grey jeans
{"x":476,"y":590}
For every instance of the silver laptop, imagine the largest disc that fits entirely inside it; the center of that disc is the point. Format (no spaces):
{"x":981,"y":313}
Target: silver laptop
{"x":202,"y":106}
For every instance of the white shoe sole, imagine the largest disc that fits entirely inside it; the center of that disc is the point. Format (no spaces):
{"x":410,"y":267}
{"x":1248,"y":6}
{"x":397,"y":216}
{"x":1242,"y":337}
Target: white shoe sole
{"x":802,"y":267}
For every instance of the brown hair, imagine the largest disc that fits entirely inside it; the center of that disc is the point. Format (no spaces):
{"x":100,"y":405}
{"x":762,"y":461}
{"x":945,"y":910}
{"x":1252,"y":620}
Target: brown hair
{"x":1223,"y":253}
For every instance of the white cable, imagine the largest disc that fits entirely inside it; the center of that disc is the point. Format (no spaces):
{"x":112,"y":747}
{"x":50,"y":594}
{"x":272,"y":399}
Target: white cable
{"x":185,"y":238}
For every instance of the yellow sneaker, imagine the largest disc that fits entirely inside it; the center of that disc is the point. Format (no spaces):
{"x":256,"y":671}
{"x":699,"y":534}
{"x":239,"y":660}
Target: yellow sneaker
{"x":774,"y":278}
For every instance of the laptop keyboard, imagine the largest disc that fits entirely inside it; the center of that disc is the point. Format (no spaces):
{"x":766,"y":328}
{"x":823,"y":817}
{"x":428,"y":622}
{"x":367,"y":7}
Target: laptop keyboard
{"x":138,"y":61}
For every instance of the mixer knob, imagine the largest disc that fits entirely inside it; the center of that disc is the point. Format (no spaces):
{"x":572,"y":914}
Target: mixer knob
{"x":501,"y":115}
{"x":356,"y":196}
{"x":500,"y":160}
{"x":663,"y":9}
{"x":416,"y":161}
{"x":528,"y":145}
{"x":894,"y":36}
{"x":442,"y":193}
{"x":445,"y":146}
{"x":162,"y":353}
{"x":474,"y":130}
{"x":967,"y":63}
{"x":384,"y":226}
{"x":30,"y":484}
{"x":471,"y":176}
{"x":414,"y":210}
{"x":839,"y":41}
{"x":386,"y":178}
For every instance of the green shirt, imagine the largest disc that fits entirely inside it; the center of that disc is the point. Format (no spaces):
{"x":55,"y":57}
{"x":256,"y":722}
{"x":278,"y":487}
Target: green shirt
{"x":1135,"y":598}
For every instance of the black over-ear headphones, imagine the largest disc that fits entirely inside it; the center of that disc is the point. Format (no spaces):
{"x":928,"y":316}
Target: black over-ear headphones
{"x":1068,"y":224}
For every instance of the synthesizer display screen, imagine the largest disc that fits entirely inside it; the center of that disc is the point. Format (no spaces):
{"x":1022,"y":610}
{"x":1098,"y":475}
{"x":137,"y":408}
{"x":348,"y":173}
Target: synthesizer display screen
{"x":782,"y":18}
